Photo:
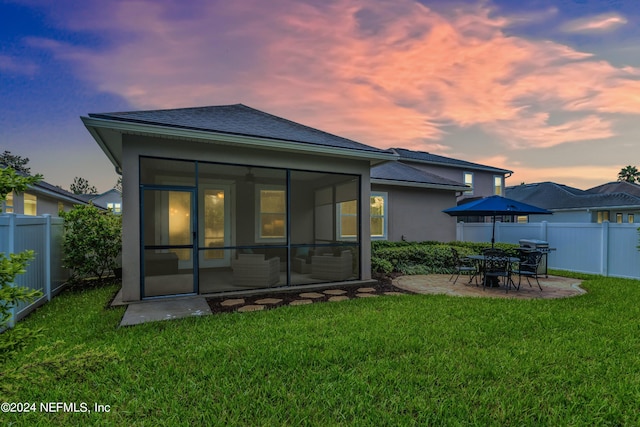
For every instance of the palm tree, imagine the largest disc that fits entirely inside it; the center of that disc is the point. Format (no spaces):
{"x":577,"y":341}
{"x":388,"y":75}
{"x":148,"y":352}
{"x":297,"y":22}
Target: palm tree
{"x":629,"y":174}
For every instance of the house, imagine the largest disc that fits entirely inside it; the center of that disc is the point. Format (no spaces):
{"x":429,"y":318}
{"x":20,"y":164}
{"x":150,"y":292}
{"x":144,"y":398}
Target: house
{"x":39,"y":199}
{"x":229,"y":198}
{"x":568,"y":204}
{"x":110,"y":199}
{"x":407,"y":203}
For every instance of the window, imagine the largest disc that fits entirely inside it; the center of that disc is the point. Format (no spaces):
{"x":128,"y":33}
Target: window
{"x":497,"y":185}
{"x":603,"y":216}
{"x":115,"y":207}
{"x":618,"y":218}
{"x":379,"y":216}
{"x":30,"y":204}
{"x":348,"y":220}
{"x":468,"y":180}
{"x":271,"y":215}
{"x":631,"y":218}
{"x":522,"y":219}
{"x":60,"y":207}
{"x":8,"y":204}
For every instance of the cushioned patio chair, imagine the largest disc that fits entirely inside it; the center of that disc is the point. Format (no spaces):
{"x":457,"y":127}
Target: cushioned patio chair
{"x":252,"y":270}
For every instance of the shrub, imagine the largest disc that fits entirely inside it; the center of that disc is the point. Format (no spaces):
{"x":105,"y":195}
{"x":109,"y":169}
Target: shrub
{"x":92,"y":241}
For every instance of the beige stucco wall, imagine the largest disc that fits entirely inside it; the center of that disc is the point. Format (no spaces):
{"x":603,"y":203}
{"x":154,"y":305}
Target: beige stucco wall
{"x":134,"y":146}
{"x":416,"y":213}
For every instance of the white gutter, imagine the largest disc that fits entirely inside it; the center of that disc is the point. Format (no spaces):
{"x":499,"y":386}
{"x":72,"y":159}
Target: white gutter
{"x":418,"y":184}
{"x":216,"y":137}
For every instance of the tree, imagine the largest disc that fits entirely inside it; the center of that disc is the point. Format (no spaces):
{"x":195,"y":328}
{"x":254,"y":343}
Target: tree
{"x":82,"y":186}
{"x":17,"y":163}
{"x":118,"y":185}
{"x":92,"y":240}
{"x":629,"y":174}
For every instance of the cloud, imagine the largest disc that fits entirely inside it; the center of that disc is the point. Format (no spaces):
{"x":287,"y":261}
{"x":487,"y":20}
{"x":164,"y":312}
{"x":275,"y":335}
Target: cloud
{"x":385,"y":72}
{"x":595,"y":24}
{"x":12,"y":65}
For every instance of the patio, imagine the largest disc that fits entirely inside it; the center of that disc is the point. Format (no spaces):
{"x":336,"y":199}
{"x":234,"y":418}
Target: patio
{"x":552,"y":287}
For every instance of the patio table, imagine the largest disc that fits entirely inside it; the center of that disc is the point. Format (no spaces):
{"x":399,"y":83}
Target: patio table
{"x":480,"y":262}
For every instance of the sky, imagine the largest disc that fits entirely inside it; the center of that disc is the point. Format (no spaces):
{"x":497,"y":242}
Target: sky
{"x":549,"y":89}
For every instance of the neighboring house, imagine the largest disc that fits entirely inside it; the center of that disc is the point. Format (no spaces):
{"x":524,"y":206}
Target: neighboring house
{"x":570,"y":204}
{"x":110,"y":199}
{"x":231,"y":198}
{"x":39,"y":199}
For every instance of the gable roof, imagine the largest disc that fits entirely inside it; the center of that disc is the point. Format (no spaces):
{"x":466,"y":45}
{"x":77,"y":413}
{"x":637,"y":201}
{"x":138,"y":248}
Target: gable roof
{"x":434,"y":159}
{"x":617,"y":187}
{"x":397,"y":173}
{"x":51,"y":190}
{"x":236,"y":123}
{"x":550,"y":195}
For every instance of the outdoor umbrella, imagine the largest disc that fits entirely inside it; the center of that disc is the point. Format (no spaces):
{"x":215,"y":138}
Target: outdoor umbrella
{"x":494,"y":206}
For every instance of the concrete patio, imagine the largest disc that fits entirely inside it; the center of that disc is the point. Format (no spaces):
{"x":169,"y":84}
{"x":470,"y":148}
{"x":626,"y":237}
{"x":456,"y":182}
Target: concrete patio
{"x":167,"y":309}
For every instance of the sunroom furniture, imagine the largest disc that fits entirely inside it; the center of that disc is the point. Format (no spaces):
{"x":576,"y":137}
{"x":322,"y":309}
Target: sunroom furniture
{"x":332,"y":268}
{"x":253,"y":270}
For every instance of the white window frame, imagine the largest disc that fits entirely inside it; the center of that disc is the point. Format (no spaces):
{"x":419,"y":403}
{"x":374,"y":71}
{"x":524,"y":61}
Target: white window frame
{"x":115,"y":207}
{"x":258,"y":214}
{"x":339,"y":216}
{"x":28,"y":201}
{"x":497,"y":178}
{"x":384,"y":216}
{"x":464,"y":180}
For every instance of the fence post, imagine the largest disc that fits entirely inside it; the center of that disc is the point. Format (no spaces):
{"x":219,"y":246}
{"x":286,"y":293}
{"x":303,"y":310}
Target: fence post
{"x":11,"y":246}
{"x":544,"y":231}
{"x":47,"y":256}
{"x":460,"y":231}
{"x":605,"y":248}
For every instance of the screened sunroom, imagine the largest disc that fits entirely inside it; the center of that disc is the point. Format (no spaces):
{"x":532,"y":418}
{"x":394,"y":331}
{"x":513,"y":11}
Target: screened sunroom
{"x":229,"y":198}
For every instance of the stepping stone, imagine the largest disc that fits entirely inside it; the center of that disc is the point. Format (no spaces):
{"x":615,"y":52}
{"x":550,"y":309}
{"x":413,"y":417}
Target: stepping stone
{"x":252,"y":307}
{"x":232,"y":302}
{"x":363,"y":295}
{"x":335,"y":292}
{"x":393,"y":293}
{"x":338,"y":298}
{"x":301,"y":302}
{"x":366,"y":290}
{"x":268,"y":301}
{"x":312,"y":295}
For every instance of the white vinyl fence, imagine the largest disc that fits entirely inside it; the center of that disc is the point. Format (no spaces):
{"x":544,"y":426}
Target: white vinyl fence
{"x":43,"y":235}
{"x":607,"y":249}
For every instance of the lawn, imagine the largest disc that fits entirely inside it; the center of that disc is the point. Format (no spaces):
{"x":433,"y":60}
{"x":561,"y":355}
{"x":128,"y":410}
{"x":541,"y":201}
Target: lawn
{"x":397,"y":360}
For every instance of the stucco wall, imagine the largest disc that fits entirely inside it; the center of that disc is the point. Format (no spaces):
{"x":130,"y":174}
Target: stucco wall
{"x":482,"y":180}
{"x":135,"y":146}
{"x":416,"y":213}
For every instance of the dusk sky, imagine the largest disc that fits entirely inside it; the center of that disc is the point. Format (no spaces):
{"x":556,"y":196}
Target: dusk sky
{"x":547,"y":88}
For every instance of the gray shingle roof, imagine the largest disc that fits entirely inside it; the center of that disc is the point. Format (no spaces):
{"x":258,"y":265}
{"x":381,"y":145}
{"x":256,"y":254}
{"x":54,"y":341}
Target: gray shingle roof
{"x":424,"y":157}
{"x":237,"y":119}
{"x":397,"y":171}
{"x":616,"y":187}
{"x":550,"y":195}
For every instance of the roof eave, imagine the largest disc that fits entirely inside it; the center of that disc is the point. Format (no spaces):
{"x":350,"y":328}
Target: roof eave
{"x":93,"y":124}
{"x":452,"y":165}
{"x":414,"y":184}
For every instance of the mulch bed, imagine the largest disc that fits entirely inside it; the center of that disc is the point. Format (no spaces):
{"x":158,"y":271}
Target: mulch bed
{"x":383,"y":284}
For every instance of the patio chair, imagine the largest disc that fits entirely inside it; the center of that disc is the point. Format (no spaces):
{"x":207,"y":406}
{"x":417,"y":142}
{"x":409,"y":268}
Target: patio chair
{"x":496,"y":265}
{"x":528,"y":267}
{"x":463,"y":266}
{"x":253,"y":270}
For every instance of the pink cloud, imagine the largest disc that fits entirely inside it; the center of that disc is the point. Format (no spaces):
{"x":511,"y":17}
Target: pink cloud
{"x":597,"y":23}
{"x":9,"y":64}
{"x":387,"y":73}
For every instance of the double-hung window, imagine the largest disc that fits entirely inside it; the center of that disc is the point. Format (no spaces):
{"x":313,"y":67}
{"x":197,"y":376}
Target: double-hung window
{"x":468,"y":181}
{"x":271,"y":213}
{"x":379,"y":216}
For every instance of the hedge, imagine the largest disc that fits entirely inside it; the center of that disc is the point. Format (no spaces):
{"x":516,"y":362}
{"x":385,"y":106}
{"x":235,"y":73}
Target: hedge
{"x":424,"y":257}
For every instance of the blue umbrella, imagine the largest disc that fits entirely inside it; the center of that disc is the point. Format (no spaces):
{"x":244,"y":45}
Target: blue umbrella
{"x":494,"y":206}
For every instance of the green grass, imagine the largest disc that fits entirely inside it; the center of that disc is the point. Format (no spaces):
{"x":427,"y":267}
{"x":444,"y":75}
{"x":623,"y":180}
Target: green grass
{"x":406,"y":360}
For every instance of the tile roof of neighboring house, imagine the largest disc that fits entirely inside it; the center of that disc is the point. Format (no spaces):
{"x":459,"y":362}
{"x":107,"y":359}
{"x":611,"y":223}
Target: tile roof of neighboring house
{"x":237,"y":119}
{"x":550,"y":195}
{"x":617,"y":187}
{"x":401,"y":173}
{"x":424,"y":157}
